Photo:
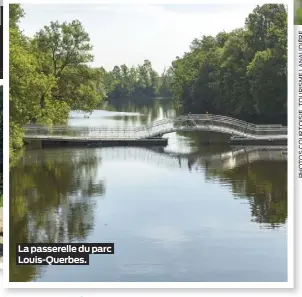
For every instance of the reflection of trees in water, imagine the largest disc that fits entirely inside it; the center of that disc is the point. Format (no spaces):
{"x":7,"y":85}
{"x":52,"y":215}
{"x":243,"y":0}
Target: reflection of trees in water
{"x":264,"y":184}
{"x":50,"y":202}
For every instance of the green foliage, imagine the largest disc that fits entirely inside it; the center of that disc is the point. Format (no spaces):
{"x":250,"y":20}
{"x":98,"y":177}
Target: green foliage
{"x":15,"y":14}
{"x":241,"y":73}
{"x":298,"y":12}
{"x":123,"y":83}
{"x":298,"y":16}
{"x":49,"y":75}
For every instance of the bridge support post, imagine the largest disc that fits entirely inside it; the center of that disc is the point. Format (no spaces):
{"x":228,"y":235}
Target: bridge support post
{"x":245,"y":132}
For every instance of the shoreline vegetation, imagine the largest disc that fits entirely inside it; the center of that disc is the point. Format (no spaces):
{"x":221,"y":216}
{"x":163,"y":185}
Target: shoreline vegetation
{"x":241,"y":74}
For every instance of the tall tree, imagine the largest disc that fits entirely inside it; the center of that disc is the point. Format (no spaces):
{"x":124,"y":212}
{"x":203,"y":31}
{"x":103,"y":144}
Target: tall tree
{"x":64,"y":51}
{"x":242,"y":73}
{"x":49,"y":75}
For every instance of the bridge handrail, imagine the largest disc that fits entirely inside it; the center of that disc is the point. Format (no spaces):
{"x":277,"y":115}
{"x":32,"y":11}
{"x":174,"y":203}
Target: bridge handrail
{"x":162,"y":121}
{"x":213,"y":117}
{"x":68,"y":128}
{"x":215,"y":120}
{"x":224,"y":120}
{"x":228,"y":119}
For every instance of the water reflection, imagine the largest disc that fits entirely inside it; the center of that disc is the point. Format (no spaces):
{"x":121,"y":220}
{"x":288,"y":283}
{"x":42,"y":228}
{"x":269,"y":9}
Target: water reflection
{"x":169,"y":203}
{"x":130,"y":114}
{"x":51,"y":201}
{"x":264,"y":185}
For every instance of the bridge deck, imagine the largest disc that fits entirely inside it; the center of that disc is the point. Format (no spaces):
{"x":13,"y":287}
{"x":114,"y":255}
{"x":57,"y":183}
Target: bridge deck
{"x":95,"y":138}
{"x":238,"y":130}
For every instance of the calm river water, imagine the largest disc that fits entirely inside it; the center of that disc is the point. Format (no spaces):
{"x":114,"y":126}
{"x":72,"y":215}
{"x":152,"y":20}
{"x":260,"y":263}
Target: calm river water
{"x":181,"y":213}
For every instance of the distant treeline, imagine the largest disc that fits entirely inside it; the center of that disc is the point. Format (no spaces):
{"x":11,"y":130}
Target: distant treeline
{"x":242,"y":73}
{"x":137,"y":82}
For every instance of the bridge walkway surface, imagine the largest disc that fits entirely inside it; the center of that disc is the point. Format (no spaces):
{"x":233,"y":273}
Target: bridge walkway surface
{"x":154,"y":131}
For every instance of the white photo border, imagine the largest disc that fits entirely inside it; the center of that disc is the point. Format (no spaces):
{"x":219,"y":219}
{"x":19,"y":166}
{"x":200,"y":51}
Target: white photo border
{"x":214,"y":285}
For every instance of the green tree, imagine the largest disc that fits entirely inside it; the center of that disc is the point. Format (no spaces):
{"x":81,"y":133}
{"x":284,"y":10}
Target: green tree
{"x":64,"y":51}
{"x":27,"y":83}
{"x":242,"y":73}
{"x":131,"y":84}
{"x":49,"y":75}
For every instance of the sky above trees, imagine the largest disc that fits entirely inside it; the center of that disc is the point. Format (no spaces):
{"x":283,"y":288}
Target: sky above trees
{"x":132,"y":33}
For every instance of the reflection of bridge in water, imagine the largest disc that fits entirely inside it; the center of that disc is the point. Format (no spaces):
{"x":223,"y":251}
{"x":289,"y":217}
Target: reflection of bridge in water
{"x":223,"y":161}
{"x":190,"y":123}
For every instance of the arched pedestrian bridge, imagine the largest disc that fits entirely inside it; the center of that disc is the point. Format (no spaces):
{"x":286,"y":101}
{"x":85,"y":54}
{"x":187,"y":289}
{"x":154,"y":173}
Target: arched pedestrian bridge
{"x":156,"y":129}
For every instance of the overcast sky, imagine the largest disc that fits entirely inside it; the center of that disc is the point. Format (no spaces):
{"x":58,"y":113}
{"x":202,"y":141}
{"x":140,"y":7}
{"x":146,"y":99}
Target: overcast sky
{"x":131,"y":33}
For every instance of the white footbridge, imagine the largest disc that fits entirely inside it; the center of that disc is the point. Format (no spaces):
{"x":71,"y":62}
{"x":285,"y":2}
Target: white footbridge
{"x":191,"y":122}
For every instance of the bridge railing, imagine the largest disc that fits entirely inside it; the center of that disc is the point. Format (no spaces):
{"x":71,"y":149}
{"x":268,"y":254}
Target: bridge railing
{"x":239,"y":125}
{"x":226,"y":124}
{"x":69,"y":131}
{"x":185,"y":122}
